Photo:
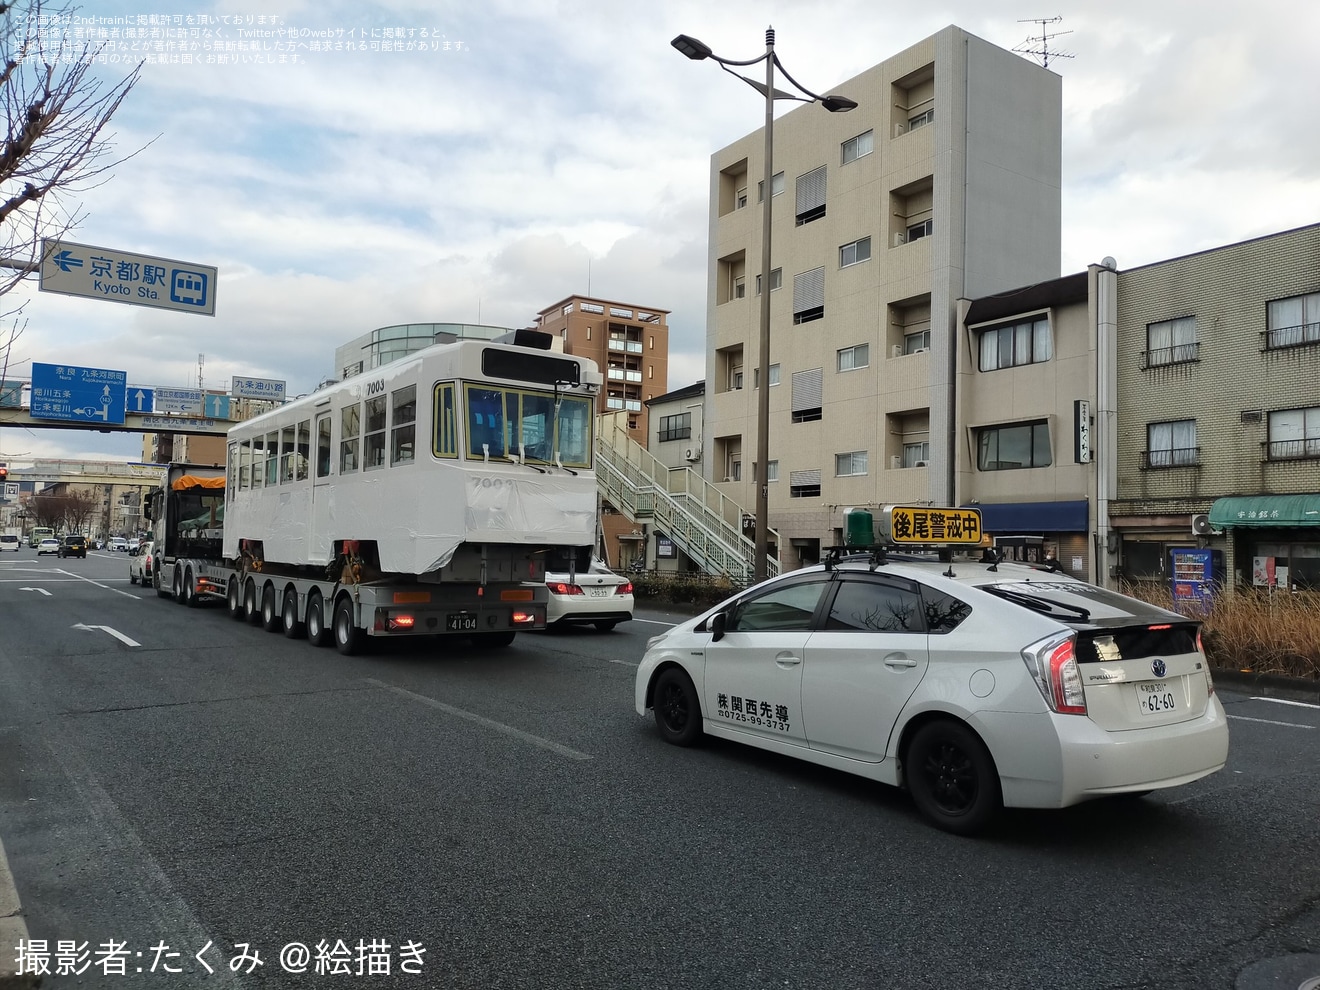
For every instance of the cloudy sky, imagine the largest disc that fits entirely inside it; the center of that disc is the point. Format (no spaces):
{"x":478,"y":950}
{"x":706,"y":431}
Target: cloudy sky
{"x":546,"y":148}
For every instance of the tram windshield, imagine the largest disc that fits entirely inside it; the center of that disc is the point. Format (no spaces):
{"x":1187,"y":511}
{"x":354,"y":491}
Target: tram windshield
{"x":535,"y":426}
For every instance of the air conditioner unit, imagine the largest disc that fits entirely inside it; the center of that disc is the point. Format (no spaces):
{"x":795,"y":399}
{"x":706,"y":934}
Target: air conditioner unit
{"x":691,"y":453}
{"x":896,"y":460}
{"x":1201,"y":525}
{"x":897,"y":350}
{"x":922,"y":464}
{"x":921,"y":350}
{"x":900,"y":238}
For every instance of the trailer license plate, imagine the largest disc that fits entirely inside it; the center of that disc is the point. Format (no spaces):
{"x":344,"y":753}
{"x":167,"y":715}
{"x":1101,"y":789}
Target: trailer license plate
{"x":461,"y":622}
{"x":1155,"y":698}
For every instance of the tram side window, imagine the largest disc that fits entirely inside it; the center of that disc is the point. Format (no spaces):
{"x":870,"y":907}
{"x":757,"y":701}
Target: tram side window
{"x":287,"y":454}
{"x":485,"y":422}
{"x":244,"y":465}
{"x":304,"y":448}
{"x":403,"y":428}
{"x":231,"y":472}
{"x":373,"y":442}
{"x":323,"y":447}
{"x":348,"y":439}
{"x":272,"y":457}
{"x":258,"y":460}
{"x":444,"y":440}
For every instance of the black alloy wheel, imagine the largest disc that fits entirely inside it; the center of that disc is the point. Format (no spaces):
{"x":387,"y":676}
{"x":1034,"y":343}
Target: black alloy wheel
{"x":677,"y":708}
{"x":952,"y":777}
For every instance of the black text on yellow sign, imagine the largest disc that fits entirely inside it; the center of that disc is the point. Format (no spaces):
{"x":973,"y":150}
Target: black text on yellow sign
{"x":928,"y":524}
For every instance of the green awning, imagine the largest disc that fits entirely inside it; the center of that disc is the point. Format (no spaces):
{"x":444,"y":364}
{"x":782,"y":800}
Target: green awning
{"x":1265,"y":510}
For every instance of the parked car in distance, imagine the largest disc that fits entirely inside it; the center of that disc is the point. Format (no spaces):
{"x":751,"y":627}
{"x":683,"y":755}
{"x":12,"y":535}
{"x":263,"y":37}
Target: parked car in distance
{"x":133,"y":544}
{"x":48,"y":545}
{"x":73,"y":545}
{"x":139,"y":564}
{"x":118,"y":543}
{"x":593,"y":595}
{"x":10,"y":542}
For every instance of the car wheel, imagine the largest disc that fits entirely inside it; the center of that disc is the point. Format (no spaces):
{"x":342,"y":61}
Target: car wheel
{"x":952,"y":777}
{"x":677,"y":708}
{"x":155,"y":583}
{"x":251,"y":609}
{"x":132,"y":578}
{"x":293,"y":628}
{"x":607,"y":625}
{"x":348,"y":638}
{"x":234,"y":600}
{"x":317,"y":633}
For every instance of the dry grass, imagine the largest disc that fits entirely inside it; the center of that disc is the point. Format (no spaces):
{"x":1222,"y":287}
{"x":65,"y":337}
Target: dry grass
{"x":1256,"y":632}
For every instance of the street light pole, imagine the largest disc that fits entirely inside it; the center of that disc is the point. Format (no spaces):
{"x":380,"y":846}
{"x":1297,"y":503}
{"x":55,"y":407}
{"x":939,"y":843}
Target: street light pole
{"x":697,"y":51}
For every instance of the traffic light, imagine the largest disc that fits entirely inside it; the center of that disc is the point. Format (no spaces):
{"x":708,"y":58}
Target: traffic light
{"x":4,"y":471}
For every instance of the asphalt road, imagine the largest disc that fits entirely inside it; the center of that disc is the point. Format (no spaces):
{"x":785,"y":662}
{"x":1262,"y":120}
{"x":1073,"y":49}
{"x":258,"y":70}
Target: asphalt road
{"x":171,"y":778}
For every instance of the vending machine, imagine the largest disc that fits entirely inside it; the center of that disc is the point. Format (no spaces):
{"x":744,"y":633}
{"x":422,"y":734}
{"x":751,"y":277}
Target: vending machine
{"x":1196,"y":574}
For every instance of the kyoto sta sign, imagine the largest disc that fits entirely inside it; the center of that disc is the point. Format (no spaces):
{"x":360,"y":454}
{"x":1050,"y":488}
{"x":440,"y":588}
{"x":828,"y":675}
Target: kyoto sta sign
{"x":120,"y":276}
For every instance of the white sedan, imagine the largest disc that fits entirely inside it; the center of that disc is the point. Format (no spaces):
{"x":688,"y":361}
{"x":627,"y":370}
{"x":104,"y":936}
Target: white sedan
{"x":49,"y":545}
{"x":973,"y":685}
{"x":595,"y":596}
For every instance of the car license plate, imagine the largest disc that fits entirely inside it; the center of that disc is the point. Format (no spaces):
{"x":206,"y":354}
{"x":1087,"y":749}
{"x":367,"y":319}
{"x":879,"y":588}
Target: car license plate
{"x":599,"y":592}
{"x":460,"y":622}
{"x":1155,"y":698}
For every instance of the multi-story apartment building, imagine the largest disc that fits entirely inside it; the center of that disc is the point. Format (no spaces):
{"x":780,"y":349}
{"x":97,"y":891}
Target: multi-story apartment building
{"x":629,"y":343}
{"x":943,"y":183}
{"x":1117,"y":415}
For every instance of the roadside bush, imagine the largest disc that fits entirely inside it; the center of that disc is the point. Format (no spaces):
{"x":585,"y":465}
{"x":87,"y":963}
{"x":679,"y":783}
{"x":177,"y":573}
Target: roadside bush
{"x":690,"y":591}
{"x":1256,"y":632}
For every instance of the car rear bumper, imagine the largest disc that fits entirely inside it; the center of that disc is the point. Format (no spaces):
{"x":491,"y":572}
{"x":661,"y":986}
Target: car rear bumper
{"x":1070,"y":759}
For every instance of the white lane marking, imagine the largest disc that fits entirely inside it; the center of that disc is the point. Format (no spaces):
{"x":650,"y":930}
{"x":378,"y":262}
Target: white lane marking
{"x":1270,"y":721}
{"x":1284,"y":701}
{"x":107,"y":587}
{"x":42,"y":590}
{"x":107,"y":629}
{"x":657,"y":622}
{"x":508,"y":730}
{"x":626,"y":663}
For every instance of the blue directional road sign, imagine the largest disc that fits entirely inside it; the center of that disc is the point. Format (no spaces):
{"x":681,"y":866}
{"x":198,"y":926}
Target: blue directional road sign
{"x":121,"y":276}
{"x":141,"y":400}
{"x":217,"y":406}
{"x":83,"y":395}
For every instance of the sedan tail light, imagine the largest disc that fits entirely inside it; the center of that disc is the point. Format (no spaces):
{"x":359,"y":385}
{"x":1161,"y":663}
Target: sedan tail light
{"x":624,"y":589}
{"x":1053,"y":664}
{"x":563,"y":588}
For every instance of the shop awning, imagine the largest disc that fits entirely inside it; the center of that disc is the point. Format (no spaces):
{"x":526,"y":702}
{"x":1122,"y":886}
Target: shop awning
{"x":1033,"y":517}
{"x":1265,"y":510}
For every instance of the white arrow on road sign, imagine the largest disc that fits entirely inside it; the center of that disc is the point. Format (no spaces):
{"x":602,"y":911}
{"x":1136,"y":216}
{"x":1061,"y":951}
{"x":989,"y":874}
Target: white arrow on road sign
{"x":113,"y":632}
{"x":42,"y":590}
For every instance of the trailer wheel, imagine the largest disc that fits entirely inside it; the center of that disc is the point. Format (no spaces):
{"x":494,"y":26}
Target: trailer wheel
{"x":178,"y":586}
{"x":233,"y":600}
{"x":270,"y":618}
{"x":348,"y":638}
{"x":293,"y":628}
{"x":318,"y":634}
{"x":250,"y":607}
{"x":190,"y":590}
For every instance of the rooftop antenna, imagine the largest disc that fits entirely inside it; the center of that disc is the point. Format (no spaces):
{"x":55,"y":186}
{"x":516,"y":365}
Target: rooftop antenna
{"x":201,"y":360}
{"x":1039,"y":48}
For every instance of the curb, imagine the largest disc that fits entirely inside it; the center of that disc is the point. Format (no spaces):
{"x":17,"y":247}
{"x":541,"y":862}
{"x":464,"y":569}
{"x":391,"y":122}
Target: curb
{"x":1270,"y":685}
{"x":13,"y":929}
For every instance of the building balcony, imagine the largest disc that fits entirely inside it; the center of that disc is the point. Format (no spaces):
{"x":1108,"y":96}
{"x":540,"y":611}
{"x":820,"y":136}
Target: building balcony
{"x":1291,"y":450}
{"x":1159,"y":357}
{"x":1176,"y":457}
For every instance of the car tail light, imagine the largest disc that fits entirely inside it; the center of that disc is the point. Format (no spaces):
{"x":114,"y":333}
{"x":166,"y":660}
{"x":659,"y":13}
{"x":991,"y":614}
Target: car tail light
{"x":1053,"y":664}
{"x":1209,"y":681}
{"x":624,"y":589}
{"x":563,"y":588}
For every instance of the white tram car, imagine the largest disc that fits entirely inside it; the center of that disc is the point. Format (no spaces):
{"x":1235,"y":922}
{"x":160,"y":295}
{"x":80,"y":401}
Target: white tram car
{"x":417,"y":498}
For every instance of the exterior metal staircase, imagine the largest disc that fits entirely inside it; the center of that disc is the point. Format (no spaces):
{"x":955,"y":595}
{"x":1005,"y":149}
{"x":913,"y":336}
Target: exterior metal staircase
{"x":701,"y":520}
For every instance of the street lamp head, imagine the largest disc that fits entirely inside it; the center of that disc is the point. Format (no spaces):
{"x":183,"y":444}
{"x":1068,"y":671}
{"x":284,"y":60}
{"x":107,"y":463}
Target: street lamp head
{"x":838,"y":104}
{"x":691,"y":47}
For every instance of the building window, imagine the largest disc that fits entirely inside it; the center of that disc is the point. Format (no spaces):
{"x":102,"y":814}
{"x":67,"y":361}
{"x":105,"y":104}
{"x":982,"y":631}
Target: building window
{"x":776,"y":187}
{"x":1005,"y":448}
{"x":806,"y":399}
{"x":804,"y":484}
{"x":914,"y":342}
{"x":854,"y":253}
{"x":920,"y":229}
{"x":740,"y":287}
{"x":1022,"y":343}
{"x":1171,"y":342}
{"x":921,"y":119}
{"x":809,"y":296}
{"x":740,"y":200}
{"x":1293,"y":322}
{"x":676,"y":427}
{"x":811,"y":196}
{"x":774,"y":376}
{"x":776,"y":280}
{"x":850,"y":464}
{"x":735,"y":379}
{"x":852,"y":358}
{"x":1172,"y":444}
{"x":1294,"y":434}
{"x":916,"y":454}
{"x":771,"y":471}
{"x":403,"y":429}
{"x":858,"y":147}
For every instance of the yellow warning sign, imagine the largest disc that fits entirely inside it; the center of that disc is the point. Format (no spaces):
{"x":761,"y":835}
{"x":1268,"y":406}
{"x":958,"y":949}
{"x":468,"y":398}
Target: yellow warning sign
{"x":927,"y":524}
